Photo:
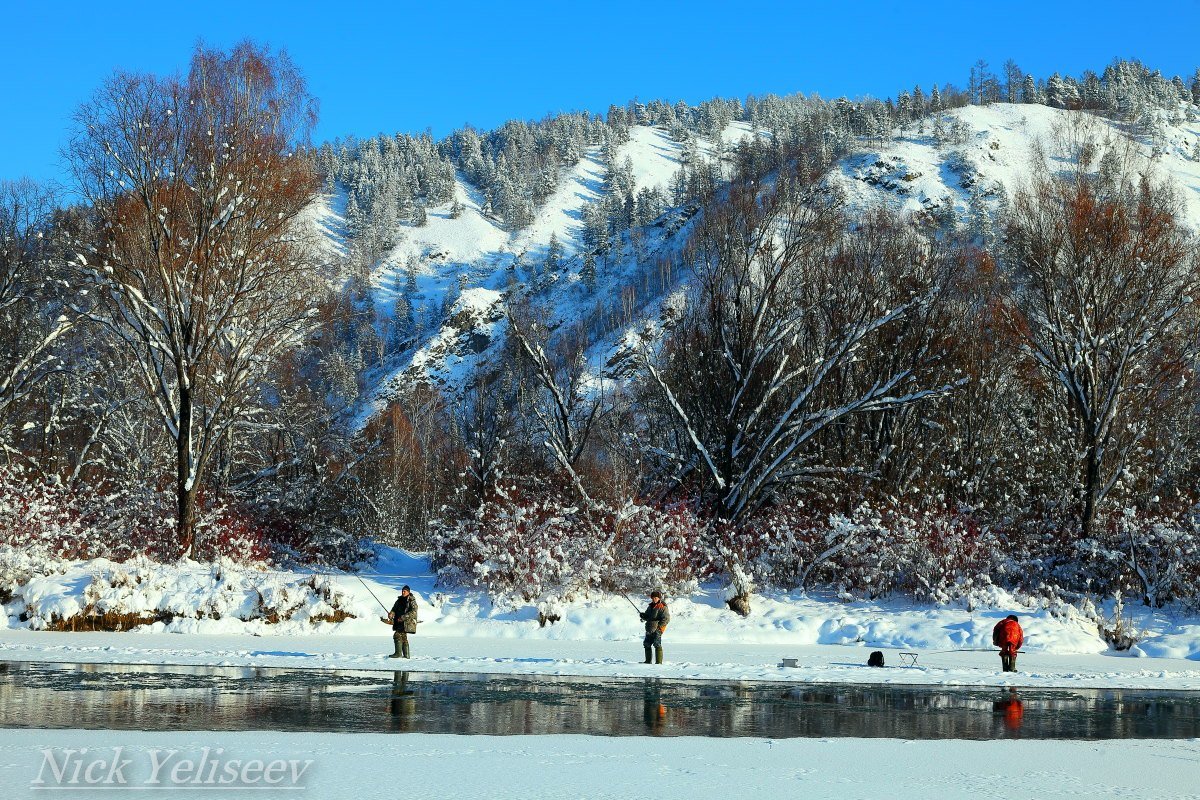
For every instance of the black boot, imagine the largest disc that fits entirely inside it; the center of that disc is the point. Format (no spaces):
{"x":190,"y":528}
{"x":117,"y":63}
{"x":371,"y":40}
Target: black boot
{"x":647,"y":661}
{"x":404,"y":647}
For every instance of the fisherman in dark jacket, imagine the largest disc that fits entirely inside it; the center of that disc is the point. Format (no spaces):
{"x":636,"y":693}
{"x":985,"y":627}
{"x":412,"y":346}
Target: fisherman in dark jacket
{"x":656,"y":616}
{"x":403,"y":617}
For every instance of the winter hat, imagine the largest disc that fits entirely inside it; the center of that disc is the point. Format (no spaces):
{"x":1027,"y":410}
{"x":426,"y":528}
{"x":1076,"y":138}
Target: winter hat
{"x":656,"y":593}
{"x":1013,"y":617}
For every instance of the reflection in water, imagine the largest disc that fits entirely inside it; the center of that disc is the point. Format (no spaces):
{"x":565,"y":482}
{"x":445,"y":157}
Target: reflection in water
{"x":403,"y":704}
{"x":223,"y":698}
{"x":654,"y":713}
{"x":1012,"y":710}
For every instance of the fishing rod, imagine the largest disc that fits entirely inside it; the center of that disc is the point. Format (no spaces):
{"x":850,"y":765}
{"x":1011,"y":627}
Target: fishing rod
{"x":968,"y":650}
{"x":368,"y":588}
{"x":635,"y":607}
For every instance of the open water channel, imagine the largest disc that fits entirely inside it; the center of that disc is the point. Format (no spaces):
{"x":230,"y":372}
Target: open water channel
{"x":154,"y":698}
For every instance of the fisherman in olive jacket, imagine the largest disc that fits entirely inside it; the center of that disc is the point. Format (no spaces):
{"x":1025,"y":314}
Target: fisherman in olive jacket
{"x":403,"y":617}
{"x":656,"y":616}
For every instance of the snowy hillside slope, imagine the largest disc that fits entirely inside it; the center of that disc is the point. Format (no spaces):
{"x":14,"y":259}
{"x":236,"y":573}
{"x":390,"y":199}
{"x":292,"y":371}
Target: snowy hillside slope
{"x":957,"y":165}
{"x":474,"y":261}
{"x":993,"y":151}
{"x":325,"y":217}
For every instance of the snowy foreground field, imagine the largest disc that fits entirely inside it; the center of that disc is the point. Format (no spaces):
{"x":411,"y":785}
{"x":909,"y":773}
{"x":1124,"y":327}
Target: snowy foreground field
{"x":425,"y":766}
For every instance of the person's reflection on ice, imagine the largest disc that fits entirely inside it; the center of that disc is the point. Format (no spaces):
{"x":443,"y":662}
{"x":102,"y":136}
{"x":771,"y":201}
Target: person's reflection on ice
{"x":1012,"y":708}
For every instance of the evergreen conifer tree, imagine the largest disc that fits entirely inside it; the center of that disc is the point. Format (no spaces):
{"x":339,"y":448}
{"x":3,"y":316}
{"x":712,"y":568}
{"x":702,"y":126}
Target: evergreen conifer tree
{"x":554,"y":254}
{"x":588,"y":273}
{"x":979,"y":220}
{"x":1029,"y":90}
{"x":410,"y":278}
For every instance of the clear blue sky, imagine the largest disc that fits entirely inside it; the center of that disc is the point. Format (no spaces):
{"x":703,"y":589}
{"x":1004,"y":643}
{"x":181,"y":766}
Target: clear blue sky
{"x":407,"y":66}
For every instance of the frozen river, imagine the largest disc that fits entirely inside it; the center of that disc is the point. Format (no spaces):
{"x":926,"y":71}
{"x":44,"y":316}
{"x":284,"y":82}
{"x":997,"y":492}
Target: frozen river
{"x":176,"y":698}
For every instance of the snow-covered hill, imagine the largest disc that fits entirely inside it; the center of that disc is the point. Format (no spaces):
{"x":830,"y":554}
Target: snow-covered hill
{"x":992,"y":151}
{"x":474,"y":261}
{"x":959,"y":165}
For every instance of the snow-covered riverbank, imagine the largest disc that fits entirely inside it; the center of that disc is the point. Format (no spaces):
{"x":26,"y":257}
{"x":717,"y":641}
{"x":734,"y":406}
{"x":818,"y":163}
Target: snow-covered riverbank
{"x":725,"y":661}
{"x":217,"y":617}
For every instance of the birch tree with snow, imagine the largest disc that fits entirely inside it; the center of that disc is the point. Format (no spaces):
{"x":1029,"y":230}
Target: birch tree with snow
{"x":1104,"y":281}
{"x":200,"y":271}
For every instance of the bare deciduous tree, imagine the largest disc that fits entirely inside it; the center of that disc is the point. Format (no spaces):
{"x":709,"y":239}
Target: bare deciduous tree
{"x":30,"y":325}
{"x":566,"y":409}
{"x":200,"y":270}
{"x":788,"y":299}
{"x":1104,"y":280}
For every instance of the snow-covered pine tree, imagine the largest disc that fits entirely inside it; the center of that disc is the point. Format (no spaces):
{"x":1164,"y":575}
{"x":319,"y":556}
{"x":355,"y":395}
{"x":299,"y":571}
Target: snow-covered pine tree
{"x":979,"y":217}
{"x":587,"y":273}
{"x":410,"y":276}
{"x":554,"y":255}
{"x":1029,"y":90}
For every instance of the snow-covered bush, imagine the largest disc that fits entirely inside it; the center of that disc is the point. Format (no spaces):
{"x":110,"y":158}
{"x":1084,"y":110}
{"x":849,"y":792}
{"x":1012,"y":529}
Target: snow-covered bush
{"x":305,"y":543}
{"x":779,"y":546}
{"x":49,"y":519}
{"x":944,"y":555}
{"x":17,"y":567}
{"x":99,"y":594}
{"x":532,"y":549}
{"x":39,"y":517}
{"x":937,"y":555}
{"x":252,"y":534}
{"x":1155,"y":557}
{"x":527,"y":548}
{"x":120,"y":524}
{"x":232,"y":535}
{"x":1116,"y":628}
{"x":518,"y":548}
{"x":657,"y":548}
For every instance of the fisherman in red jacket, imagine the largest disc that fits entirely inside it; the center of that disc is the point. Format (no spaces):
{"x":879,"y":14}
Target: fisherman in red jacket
{"x":1008,"y":636}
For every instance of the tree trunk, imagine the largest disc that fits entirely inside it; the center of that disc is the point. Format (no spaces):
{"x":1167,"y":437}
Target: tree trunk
{"x":739,"y":604}
{"x":185,"y":485}
{"x":1091,"y":488}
